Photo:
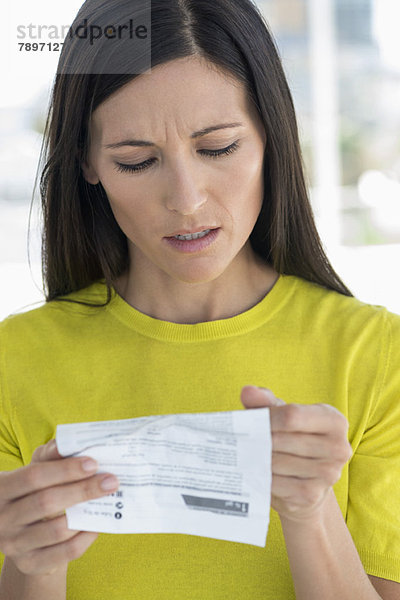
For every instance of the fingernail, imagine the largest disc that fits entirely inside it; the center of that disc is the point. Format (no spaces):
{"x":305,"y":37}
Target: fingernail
{"x":109,"y":483}
{"x":89,"y":465}
{"x":251,"y":387}
{"x":271,"y":397}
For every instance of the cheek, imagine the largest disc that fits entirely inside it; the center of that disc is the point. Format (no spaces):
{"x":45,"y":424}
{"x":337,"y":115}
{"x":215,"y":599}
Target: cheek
{"x":133,"y":211}
{"x":247,"y":184}
{"x":122,"y":205}
{"x":121,"y":193}
{"x":248,"y":167}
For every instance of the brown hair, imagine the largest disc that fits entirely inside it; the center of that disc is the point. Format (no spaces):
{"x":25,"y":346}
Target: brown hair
{"x":82,"y":241}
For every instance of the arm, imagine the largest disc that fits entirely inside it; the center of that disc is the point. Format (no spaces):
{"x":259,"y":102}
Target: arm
{"x":323,"y":559}
{"x":14,"y":585}
{"x":34,"y":533}
{"x":388,"y":590}
{"x":309,"y":449}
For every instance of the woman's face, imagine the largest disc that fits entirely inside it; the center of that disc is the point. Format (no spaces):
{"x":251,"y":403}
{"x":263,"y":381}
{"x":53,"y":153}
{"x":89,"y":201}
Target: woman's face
{"x":153,"y":155}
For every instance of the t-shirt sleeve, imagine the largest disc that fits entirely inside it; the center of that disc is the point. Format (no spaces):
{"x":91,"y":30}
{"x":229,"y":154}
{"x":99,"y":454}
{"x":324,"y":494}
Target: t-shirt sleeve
{"x":373,"y":514}
{"x":10,"y":456}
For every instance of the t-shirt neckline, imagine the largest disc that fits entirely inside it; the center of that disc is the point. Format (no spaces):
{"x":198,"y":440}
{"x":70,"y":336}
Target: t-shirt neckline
{"x":239,"y":324}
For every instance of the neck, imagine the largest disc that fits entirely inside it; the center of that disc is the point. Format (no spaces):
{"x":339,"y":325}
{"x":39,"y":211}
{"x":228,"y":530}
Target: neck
{"x":233,"y":292}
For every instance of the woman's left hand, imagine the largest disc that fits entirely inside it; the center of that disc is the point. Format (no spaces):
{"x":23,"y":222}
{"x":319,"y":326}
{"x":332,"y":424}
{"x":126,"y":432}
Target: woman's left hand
{"x":309,"y":450}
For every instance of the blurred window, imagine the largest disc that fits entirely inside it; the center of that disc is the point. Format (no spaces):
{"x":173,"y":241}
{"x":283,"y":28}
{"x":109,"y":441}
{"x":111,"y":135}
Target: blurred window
{"x":342,"y":60}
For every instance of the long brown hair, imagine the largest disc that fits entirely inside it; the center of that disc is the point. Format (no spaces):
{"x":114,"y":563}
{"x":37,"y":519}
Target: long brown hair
{"x":82,"y":241}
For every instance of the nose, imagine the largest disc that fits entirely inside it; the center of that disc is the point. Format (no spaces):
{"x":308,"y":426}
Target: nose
{"x":185,"y":194}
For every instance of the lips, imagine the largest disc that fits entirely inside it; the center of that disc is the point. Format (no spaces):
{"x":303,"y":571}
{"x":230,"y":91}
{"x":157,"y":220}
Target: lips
{"x":193,"y":236}
{"x":186,"y":244}
{"x":191,"y":231}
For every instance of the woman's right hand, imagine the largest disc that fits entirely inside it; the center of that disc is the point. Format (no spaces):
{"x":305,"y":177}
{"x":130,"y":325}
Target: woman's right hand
{"x":33,"y":526}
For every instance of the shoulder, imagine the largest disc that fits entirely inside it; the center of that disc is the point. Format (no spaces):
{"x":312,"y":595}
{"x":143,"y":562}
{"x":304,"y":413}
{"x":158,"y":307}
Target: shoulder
{"x":312,"y":296}
{"x":39,"y":322}
{"x":344,"y":325}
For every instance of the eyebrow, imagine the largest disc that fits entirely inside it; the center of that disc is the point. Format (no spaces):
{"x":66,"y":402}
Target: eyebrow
{"x":196,"y":134}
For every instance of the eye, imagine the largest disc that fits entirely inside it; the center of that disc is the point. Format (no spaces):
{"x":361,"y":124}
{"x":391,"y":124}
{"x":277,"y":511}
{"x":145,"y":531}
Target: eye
{"x":217,"y":153}
{"x":148,"y":163}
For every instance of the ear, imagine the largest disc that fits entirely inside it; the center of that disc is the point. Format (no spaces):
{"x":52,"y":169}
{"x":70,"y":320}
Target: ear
{"x":89,"y":173}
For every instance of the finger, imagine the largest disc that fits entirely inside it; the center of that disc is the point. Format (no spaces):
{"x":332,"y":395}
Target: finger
{"x":257,"y":397}
{"x":307,"y":445}
{"x":41,"y":535}
{"x":40,"y":475}
{"x":289,"y":465}
{"x":295,"y":491}
{"x":312,"y":445}
{"x":53,"y":500}
{"x":59,"y":514}
{"x":46,"y":452}
{"x":48,"y":559}
{"x":325,"y":471}
{"x":309,"y":418}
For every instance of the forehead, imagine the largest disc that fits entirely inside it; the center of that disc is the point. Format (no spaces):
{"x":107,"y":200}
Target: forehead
{"x":185,"y":92}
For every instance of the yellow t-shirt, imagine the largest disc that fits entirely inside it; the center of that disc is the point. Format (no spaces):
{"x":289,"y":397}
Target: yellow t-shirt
{"x":64,"y":363}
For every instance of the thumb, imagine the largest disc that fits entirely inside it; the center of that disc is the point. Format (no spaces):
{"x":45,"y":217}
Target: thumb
{"x":258,"y":397}
{"x":46,"y":452}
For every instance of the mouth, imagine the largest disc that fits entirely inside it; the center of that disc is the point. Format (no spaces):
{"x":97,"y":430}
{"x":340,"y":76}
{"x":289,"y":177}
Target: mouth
{"x":195,"y":234}
{"x":194,"y":241}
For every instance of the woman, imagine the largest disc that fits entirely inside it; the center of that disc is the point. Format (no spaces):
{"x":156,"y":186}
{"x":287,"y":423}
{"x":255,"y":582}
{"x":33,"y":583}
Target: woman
{"x":184,"y":273}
